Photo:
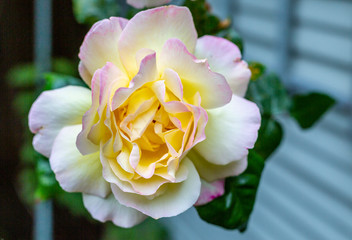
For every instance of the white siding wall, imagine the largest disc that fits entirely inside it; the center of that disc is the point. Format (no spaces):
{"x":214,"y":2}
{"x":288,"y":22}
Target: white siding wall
{"x":306,"y":189}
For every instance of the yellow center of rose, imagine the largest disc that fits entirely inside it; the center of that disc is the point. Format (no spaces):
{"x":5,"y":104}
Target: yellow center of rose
{"x":144,"y":132}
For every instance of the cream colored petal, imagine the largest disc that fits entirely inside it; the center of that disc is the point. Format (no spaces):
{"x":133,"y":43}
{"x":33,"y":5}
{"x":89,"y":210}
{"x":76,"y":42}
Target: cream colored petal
{"x":73,"y":171}
{"x":224,"y":57}
{"x":104,"y":84}
{"x":151,"y":28}
{"x":231,"y":130}
{"x":109,"y":209}
{"x":100,"y":46}
{"x":176,"y":199}
{"x":210,"y":191}
{"x":195,"y":75}
{"x":54,"y":110}
{"x":212,"y":172}
{"x":147,"y":73}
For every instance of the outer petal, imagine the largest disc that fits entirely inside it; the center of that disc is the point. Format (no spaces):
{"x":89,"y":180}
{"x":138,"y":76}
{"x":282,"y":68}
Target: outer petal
{"x":231,"y":131}
{"x":53,"y":110}
{"x":177,"y":198}
{"x":225,"y":57}
{"x":147,"y":3}
{"x":210,"y":191}
{"x":100,"y":46}
{"x":75,"y":172}
{"x":212,"y":172}
{"x":109,"y":209}
{"x":150,"y":29}
{"x":196,"y":75}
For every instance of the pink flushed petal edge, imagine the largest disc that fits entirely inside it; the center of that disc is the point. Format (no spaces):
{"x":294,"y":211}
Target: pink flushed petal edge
{"x":210,"y":191}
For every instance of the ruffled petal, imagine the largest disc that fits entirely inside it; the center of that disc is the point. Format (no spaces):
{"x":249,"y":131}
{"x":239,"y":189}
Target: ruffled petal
{"x":147,"y":3}
{"x":54,"y":110}
{"x":73,"y":171}
{"x":147,"y":73}
{"x":100,"y":46}
{"x":210,"y":191}
{"x":104,"y":84}
{"x":224,"y":57}
{"x":109,"y":209}
{"x":177,"y":198}
{"x":195,"y":75}
{"x":231,"y":130}
{"x":151,"y":28}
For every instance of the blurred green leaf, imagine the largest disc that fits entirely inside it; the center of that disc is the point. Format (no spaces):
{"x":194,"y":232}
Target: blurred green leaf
{"x":233,"y":209}
{"x":257,"y":70}
{"x":27,"y":153}
{"x":65,"y":66}
{"x":269,"y":94}
{"x":21,"y":75}
{"x":150,"y":229}
{"x":269,"y":137}
{"x":23,"y":102}
{"x":73,"y":202}
{"x":307,"y":109}
{"x":47,"y":187}
{"x":205,"y":22}
{"x":27,"y":183}
{"x":91,"y":11}
{"x":55,"y":80}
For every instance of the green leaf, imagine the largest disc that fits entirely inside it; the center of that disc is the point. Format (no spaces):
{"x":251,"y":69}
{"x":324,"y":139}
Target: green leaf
{"x":205,"y":22}
{"x":47,"y":187}
{"x":307,"y":109}
{"x":269,"y":137}
{"x":65,"y":66}
{"x":90,"y":11}
{"x":257,"y":70}
{"x":23,"y":102}
{"x":233,"y":209}
{"x":27,"y":183}
{"x":150,"y":229}
{"x":27,"y":153}
{"x":21,"y":75}
{"x":73,"y":202}
{"x":55,"y":80}
{"x":269,"y":94}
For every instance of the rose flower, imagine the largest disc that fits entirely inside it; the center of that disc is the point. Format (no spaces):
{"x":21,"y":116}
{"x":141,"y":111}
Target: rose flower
{"x":163,"y":123}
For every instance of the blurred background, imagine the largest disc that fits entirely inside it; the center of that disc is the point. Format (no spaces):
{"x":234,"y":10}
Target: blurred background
{"x":305,"y":191}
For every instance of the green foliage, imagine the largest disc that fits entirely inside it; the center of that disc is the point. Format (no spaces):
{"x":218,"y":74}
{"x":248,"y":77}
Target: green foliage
{"x":27,"y":182}
{"x":24,"y":75}
{"x":73,"y":202}
{"x":55,"y":80}
{"x":91,"y":11}
{"x":21,"y":75}
{"x":150,"y":229}
{"x":269,"y":94}
{"x":269,"y":136}
{"x":47,"y":185}
{"x":257,"y":70}
{"x":307,"y":109}
{"x":205,"y":22}
{"x":232,"y":210}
